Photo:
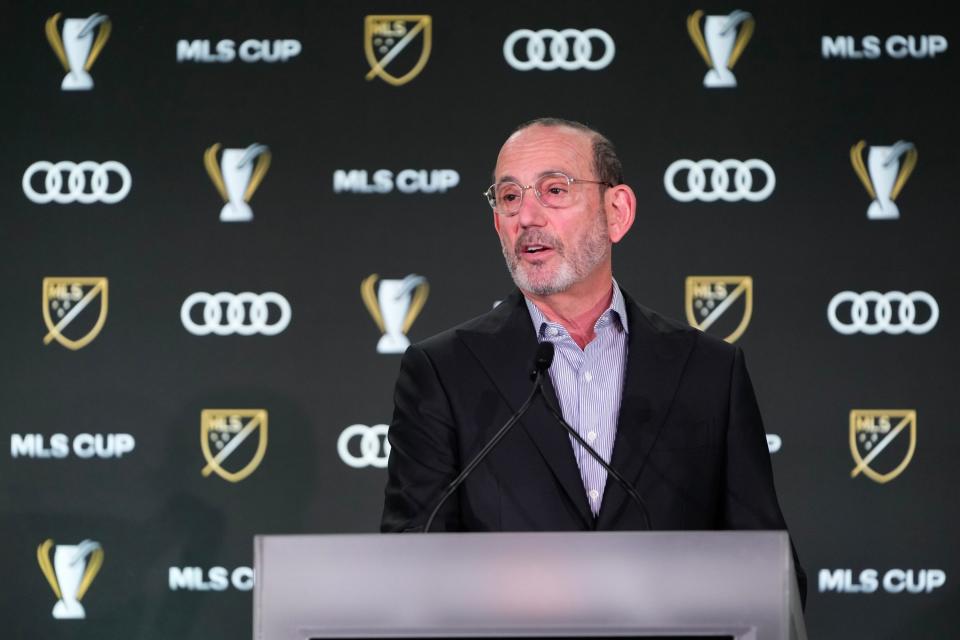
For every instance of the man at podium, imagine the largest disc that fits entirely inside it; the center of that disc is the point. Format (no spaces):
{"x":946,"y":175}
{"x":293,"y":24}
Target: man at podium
{"x":666,"y":407}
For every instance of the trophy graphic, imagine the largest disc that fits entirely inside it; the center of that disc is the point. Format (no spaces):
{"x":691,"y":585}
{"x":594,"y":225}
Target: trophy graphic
{"x":884,"y":175}
{"x":77,"y":49}
{"x":720,"y":44}
{"x":237,"y":177}
{"x":70,"y":574}
{"x":394,"y":307}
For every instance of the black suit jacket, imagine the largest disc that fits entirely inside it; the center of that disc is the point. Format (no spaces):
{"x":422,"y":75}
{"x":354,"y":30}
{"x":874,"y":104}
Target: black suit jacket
{"x":689,"y":435}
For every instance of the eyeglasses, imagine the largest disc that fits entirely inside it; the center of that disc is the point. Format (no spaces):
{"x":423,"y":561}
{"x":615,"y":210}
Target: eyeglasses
{"x":554,"y":190}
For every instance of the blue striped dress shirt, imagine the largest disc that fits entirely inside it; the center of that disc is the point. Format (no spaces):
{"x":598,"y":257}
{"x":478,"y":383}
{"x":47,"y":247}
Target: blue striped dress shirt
{"x":589,"y":386}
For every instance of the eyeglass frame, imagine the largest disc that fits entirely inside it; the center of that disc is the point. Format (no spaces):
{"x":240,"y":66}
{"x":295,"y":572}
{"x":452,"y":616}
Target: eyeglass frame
{"x":490,"y":193}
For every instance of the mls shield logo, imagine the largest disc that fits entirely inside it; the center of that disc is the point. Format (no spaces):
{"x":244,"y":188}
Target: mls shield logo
{"x":387,"y":43}
{"x":709,"y":300}
{"x":65,"y":310}
{"x":225,"y":433}
{"x":882,"y":442}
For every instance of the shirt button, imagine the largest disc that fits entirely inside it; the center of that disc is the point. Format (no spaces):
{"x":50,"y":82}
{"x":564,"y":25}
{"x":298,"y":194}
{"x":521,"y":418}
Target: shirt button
{"x":553,"y":331}
{"x":594,"y":494}
{"x":591,"y":436}
{"x":588,"y":376}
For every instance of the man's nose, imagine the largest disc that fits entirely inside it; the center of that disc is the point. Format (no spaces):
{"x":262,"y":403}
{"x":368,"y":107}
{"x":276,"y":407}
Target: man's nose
{"x":531,"y":213}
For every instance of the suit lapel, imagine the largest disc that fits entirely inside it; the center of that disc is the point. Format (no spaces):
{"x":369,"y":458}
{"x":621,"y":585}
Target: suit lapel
{"x":656,"y":358}
{"x":504,"y":345}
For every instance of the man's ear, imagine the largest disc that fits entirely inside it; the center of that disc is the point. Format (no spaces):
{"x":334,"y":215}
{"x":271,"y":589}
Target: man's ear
{"x":621,"y":208}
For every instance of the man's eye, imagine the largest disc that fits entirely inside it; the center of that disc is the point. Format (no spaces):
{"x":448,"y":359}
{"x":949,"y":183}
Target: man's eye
{"x":556,"y":190}
{"x":509,"y":197}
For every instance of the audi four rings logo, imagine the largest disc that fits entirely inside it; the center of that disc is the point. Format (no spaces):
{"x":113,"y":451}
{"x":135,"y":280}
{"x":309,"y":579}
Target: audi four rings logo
{"x":871,"y":312}
{"x":109,"y":182}
{"x":562,"y":44}
{"x":720,"y":186}
{"x":374,"y":446}
{"x":242,"y":313}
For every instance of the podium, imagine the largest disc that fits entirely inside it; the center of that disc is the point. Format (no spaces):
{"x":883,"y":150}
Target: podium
{"x":735,"y":584}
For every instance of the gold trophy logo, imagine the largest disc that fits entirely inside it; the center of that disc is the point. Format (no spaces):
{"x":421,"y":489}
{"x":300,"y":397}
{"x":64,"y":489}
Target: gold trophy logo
{"x":385,"y":38}
{"x":721,"y":43}
{"x":875,"y":431}
{"x":77,"y":49}
{"x":64,"y":298}
{"x":237,"y":177}
{"x":222,"y":431}
{"x":394,"y":306}
{"x":884,"y":174}
{"x":70,"y":574}
{"x":709,"y":297}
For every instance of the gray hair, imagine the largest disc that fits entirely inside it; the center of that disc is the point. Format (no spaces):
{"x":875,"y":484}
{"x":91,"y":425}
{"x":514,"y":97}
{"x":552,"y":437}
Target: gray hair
{"x":606,"y":163}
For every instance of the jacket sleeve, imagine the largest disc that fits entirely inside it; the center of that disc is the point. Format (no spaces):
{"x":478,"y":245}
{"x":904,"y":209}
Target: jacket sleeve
{"x":750,"y":500}
{"x":424,"y":455}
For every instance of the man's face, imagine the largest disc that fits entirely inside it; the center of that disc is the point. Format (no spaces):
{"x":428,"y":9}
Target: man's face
{"x":549,"y":250}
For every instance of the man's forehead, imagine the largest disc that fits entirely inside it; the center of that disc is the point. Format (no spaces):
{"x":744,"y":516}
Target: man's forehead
{"x":538,"y":150}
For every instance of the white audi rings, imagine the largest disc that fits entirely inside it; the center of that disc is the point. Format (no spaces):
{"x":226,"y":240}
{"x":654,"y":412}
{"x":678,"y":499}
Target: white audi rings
{"x":720,"y":186}
{"x":237,"y":320}
{"x":882,"y":320}
{"x":374,"y":446}
{"x":77,"y":182}
{"x":559,"y":49}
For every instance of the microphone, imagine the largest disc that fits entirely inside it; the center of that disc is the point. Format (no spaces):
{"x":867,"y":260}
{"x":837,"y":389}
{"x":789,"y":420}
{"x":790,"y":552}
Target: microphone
{"x":547,"y":356}
{"x":541,"y":362}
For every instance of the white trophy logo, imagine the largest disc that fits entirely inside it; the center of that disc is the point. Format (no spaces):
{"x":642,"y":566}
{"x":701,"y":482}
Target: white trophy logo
{"x":720,"y":43}
{"x":76,"y":48}
{"x":884,"y":175}
{"x":394,"y":307}
{"x":70,"y":574}
{"x":237,"y":177}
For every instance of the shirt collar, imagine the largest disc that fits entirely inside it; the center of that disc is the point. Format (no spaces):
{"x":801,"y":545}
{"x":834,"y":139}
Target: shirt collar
{"x":616,"y":312}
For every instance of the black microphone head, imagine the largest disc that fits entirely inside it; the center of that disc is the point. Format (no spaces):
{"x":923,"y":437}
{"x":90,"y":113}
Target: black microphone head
{"x":542,"y":359}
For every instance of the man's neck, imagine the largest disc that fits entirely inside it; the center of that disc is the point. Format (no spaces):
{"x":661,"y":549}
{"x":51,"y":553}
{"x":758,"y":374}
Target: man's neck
{"x":577,"y":311}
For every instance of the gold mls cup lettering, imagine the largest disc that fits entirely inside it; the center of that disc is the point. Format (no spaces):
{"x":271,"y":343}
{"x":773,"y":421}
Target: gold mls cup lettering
{"x":70,"y":574}
{"x":77,"y":48}
{"x":394,"y":306}
{"x":709,"y":297}
{"x":386,"y":36}
{"x":884,"y":174}
{"x":222,"y":431}
{"x":721,"y":43}
{"x":237,"y":177}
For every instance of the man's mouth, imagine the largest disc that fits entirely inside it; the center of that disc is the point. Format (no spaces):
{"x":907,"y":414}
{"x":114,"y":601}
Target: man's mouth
{"x":533,"y":248}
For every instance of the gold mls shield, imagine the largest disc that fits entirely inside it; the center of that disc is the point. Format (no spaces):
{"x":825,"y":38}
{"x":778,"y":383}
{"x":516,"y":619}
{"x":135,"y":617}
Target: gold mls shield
{"x":708,"y":298}
{"x":385,"y":37}
{"x":872,"y":432}
{"x":222,"y":431}
{"x":64,"y":300}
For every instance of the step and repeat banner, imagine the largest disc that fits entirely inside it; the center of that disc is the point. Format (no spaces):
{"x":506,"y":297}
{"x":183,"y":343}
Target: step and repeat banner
{"x":222,"y":225}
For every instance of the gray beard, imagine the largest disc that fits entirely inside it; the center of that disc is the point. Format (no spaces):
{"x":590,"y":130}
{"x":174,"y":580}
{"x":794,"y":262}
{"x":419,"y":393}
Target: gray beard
{"x":575,"y":265}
